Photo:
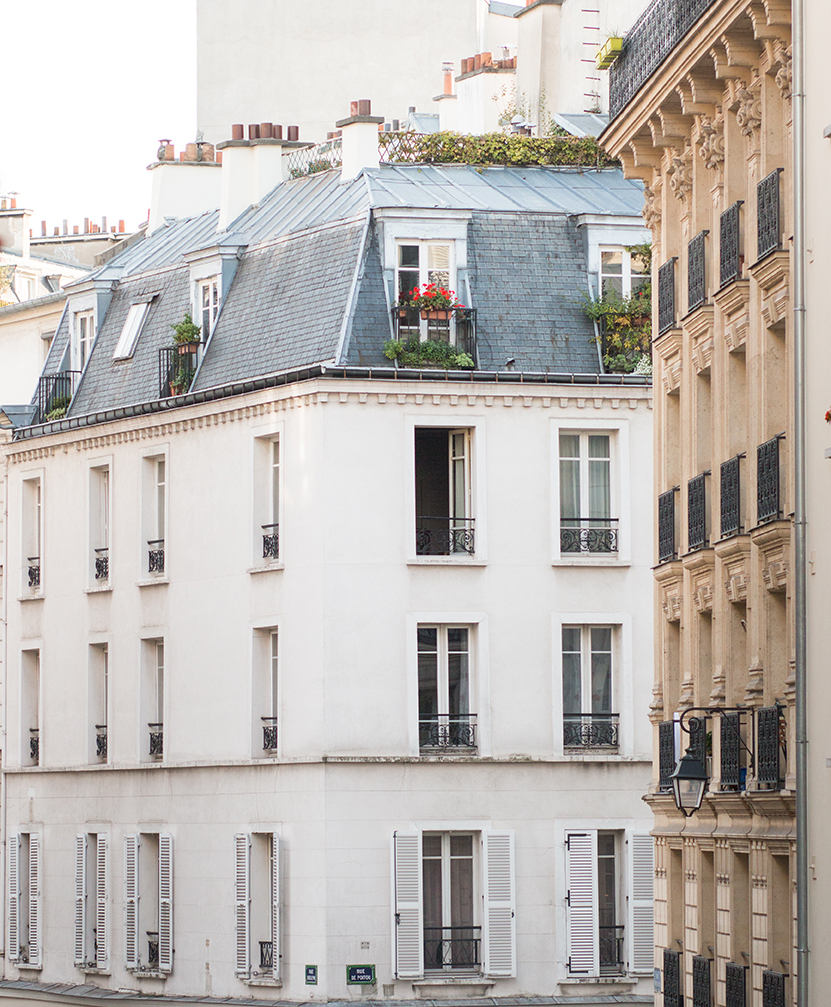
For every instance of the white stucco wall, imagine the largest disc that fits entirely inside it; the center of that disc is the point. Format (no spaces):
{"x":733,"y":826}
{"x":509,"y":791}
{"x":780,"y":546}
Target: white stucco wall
{"x":25,"y":336}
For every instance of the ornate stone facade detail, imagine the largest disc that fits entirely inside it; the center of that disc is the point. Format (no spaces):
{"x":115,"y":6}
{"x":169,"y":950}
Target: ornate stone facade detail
{"x":755,"y":689}
{"x":672,"y":374}
{"x":748,"y":100}
{"x":686,"y":698}
{"x":679,"y":173}
{"x":775,"y":306}
{"x":775,"y":569}
{"x":672,"y":603}
{"x":651,"y":207}
{"x":710,"y":140}
{"x":718,"y":691}
{"x":735,"y":331}
{"x":703,"y":594}
{"x":780,"y":59}
{"x":656,"y":705}
{"x":735,"y":580}
{"x":702,"y":353}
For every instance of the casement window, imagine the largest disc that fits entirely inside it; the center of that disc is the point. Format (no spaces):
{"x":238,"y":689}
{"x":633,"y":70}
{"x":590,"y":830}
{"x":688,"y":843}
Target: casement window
{"x":265,"y":684}
{"x":589,"y":718}
{"x":83,"y":337}
{"x":23,"y":911}
{"x":454,"y":904}
{"x":606,"y":872}
{"x":91,"y":900}
{"x":32,"y":536}
{"x":257,"y":905}
{"x":154,"y":515}
{"x":422,"y":262}
{"x":152,"y":699}
{"x":99,"y":524}
{"x":445,"y":718}
{"x":445,"y":525}
{"x":586,"y":494}
{"x":419,"y":264}
{"x":148,"y":902}
{"x":207,"y":293}
{"x":133,"y":324}
{"x":30,"y":754}
{"x":621,"y":273}
{"x":99,"y":683}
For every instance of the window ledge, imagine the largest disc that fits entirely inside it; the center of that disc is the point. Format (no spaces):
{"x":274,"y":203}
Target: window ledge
{"x":264,"y":981}
{"x":621,"y":980}
{"x":148,"y":974}
{"x":31,"y":597}
{"x":25,"y":966}
{"x":482,"y":982}
{"x":267,"y":567}
{"x":591,"y":560}
{"x":152,"y":581}
{"x":93,"y":970}
{"x":475,"y":561}
{"x":100,"y":589}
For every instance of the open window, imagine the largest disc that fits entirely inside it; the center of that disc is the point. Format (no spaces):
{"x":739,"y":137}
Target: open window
{"x":267,"y":500}
{"x":148,"y":902}
{"x":91,"y":901}
{"x":32,"y":536}
{"x":133,"y":324}
{"x":589,"y":717}
{"x":152,"y":700}
{"x":446,"y":721}
{"x":99,"y":525}
{"x":99,"y":682}
{"x":445,"y":525}
{"x":622,"y":272}
{"x":257,"y":905}
{"x":83,"y":337}
{"x":207,"y":304}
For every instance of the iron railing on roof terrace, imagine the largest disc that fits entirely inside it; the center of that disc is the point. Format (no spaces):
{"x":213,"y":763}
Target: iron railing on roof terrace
{"x":493,"y":148}
{"x":696,"y":271}
{"x":311,"y":160}
{"x":54,"y":392}
{"x":730,"y":244}
{"x":768,"y":227}
{"x":456,"y":326}
{"x":648,"y":43}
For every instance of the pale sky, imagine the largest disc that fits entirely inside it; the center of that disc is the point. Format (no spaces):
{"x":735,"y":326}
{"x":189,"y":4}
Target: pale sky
{"x":90,"y":88}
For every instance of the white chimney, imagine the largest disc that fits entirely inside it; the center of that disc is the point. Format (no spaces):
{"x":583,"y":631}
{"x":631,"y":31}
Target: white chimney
{"x":186,"y":187}
{"x":359,"y":139}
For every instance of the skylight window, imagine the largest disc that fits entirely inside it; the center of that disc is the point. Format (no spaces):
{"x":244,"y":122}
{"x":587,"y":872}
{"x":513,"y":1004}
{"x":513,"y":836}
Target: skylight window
{"x":129,"y":334}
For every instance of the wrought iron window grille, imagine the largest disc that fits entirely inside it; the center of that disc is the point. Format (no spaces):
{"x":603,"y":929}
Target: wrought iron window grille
{"x":54,"y":390}
{"x":102,"y":563}
{"x":269,"y":734}
{"x":452,"y":948}
{"x":697,"y":512}
{"x":731,"y":497}
{"x":702,"y":991}
{"x":271,"y":541}
{"x":732,"y":774}
{"x":735,"y":985}
{"x":696,"y":271}
{"x":33,"y":572}
{"x":590,"y":730}
{"x":589,"y":535}
{"x":666,"y":755}
{"x":768,"y":225}
{"x":445,"y":732}
{"x":455,"y":326}
{"x":155,"y":555}
{"x":768,"y":503}
{"x":773,"y":988}
{"x":34,"y":744}
{"x":266,"y":956}
{"x":730,"y":244}
{"x":672,"y":979}
{"x":152,"y":948}
{"x":772,"y":747}
{"x":610,"y":941}
{"x":445,"y":536}
{"x":156,"y":740}
{"x":101,"y":741}
{"x":666,"y":526}
{"x":666,"y":296}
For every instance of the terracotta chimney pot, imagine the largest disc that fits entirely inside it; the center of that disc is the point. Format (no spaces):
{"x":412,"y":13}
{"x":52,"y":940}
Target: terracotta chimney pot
{"x":293,"y":132}
{"x":364,"y":107}
{"x":237,"y":131}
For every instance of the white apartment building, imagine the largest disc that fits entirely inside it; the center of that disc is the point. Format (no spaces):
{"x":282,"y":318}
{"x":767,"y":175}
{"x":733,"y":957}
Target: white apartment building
{"x":325,"y":677}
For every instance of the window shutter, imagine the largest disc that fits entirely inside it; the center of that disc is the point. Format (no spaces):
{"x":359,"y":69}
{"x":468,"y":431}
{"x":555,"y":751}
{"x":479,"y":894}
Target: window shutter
{"x":408,"y":927}
{"x":500,"y":923}
{"x":131,"y":901}
{"x":242,"y":902}
{"x":81,"y":899}
{"x":640,"y":904}
{"x":581,"y":903}
{"x":102,"y":950}
{"x":34,"y":898}
{"x":165,"y":902}
{"x":13,"y":892}
{"x":275,"y":905}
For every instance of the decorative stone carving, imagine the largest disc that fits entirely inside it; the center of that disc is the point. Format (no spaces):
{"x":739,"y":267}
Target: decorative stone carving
{"x":672,"y":603}
{"x":710,"y":140}
{"x":651,"y":207}
{"x":790,"y":682}
{"x":755,"y":689}
{"x":703,"y":594}
{"x":679,"y":173}
{"x":735,"y":579}
{"x":686,"y":698}
{"x":718,"y":692}
{"x":775,"y":306}
{"x":775,"y":569}
{"x":780,"y":58}
{"x":749,"y":106}
{"x":656,"y":706}
{"x":735,"y":331}
{"x":672,"y":374}
{"x":702,"y":353}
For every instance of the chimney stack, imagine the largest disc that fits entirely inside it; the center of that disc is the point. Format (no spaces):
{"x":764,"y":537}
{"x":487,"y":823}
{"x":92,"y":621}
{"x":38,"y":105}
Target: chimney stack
{"x":359,"y":139}
{"x":182,"y":188}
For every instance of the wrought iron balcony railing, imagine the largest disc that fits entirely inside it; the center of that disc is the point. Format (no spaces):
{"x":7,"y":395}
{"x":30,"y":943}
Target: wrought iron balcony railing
{"x":33,"y":571}
{"x":156,"y":740}
{"x":666,"y":754}
{"x":177,"y":368}
{"x":673,"y":996}
{"x":452,"y":947}
{"x":589,"y":534}
{"x":768,"y":225}
{"x":102,"y":563}
{"x":647,"y":44}
{"x":590,"y":730}
{"x":697,"y":271}
{"x":768,"y":504}
{"x":54,"y":393}
{"x":731,"y":497}
{"x":155,"y":555}
{"x":697,"y":512}
{"x":735,"y":985}
{"x":611,"y":950}
{"x":152,"y":948}
{"x":732,"y":772}
{"x":771,"y":747}
{"x":456,"y":326}
{"x":447,"y":731}
{"x":101,"y":741}
{"x":666,"y":527}
{"x":773,"y":989}
{"x":666,"y":296}
{"x":271,"y":541}
{"x":266,"y":956}
{"x":445,"y":536}
{"x":34,"y":744}
{"x":730,"y":244}
{"x":702,"y":991}
{"x":269,"y":734}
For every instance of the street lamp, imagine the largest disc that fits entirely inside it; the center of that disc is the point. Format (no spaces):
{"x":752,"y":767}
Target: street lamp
{"x":688,"y":784}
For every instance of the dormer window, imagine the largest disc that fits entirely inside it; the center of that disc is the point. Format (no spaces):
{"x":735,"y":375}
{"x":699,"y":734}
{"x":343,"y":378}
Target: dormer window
{"x":83,"y":336}
{"x":423,"y":262}
{"x":207,"y":304}
{"x":621,"y":272}
{"x":130,"y":332}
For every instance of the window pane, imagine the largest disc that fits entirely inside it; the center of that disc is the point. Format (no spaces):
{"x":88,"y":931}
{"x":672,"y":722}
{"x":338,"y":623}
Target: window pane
{"x":428,"y":695}
{"x":438,"y":257}
{"x":612,"y":286}
{"x":461,"y":891}
{"x":599,"y":476}
{"x":570,"y":489}
{"x":571,"y":639}
{"x":606,"y":884}
{"x":408,"y":255}
{"x":611,"y":263}
{"x":458,"y":685}
{"x":598,"y":445}
{"x":601,"y":680}
{"x":432,"y":901}
{"x":427,"y":636}
{"x":569,"y":445}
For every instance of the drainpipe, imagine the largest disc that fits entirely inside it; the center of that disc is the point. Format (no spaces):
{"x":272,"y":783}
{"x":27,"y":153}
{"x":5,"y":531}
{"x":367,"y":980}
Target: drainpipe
{"x":800,"y":530}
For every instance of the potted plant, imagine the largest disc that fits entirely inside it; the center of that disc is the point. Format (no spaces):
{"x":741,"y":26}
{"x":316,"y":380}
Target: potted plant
{"x":181,"y":380}
{"x":186,"y":335}
{"x":432,"y":301}
{"x":428,"y":354}
{"x":58,"y":408}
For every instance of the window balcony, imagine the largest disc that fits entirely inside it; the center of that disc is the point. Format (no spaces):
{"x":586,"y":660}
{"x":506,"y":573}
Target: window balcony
{"x":697,"y":512}
{"x":666,"y":755}
{"x":773,"y":989}
{"x":448,"y":732}
{"x":589,"y":535}
{"x":768,"y":504}
{"x":155,"y":555}
{"x":666,"y":296}
{"x":447,"y":948}
{"x":731,"y":496}
{"x":152,"y":949}
{"x":54,"y":395}
{"x":771,"y":747}
{"x":34,"y":745}
{"x":269,"y":734}
{"x":177,"y":367}
{"x":271,"y":541}
{"x":730,"y":244}
{"x":732,"y":772}
{"x":156,"y":740}
{"x":445,"y":536}
{"x":101,"y":741}
{"x":455,"y":327}
{"x":702,"y":992}
{"x":33,"y":572}
{"x":696,"y":271}
{"x":768,"y":226}
{"x":667,"y":550}
{"x":266,"y":956}
{"x":735,"y":985}
{"x":590,"y":730}
{"x":102,"y":564}
{"x":611,"y":950}
{"x":672,"y":979}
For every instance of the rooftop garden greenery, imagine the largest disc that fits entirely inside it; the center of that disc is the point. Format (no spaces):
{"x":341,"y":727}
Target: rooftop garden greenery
{"x":432,"y":353}
{"x":492,"y":148}
{"x":625,"y":323}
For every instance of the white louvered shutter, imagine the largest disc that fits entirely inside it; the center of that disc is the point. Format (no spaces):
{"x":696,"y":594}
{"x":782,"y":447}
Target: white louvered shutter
{"x":102,"y":944}
{"x":13,"y":897}
{"x":34,"y":899}
{"x":640,"y":904}
{"x":131,"y":901}
{"x":581,"y":903}
{"x":408,"y":924}
{"x":81,"y":899}
{"x":500,"y":923}
{"x":242,"y":903}
{"x":275,"y":905}
{"x":165,"y":902}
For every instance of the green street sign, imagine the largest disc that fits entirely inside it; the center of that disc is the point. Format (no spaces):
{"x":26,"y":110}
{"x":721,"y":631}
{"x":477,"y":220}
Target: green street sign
{"x":311,"y":975}
{"x":360,"y":975}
